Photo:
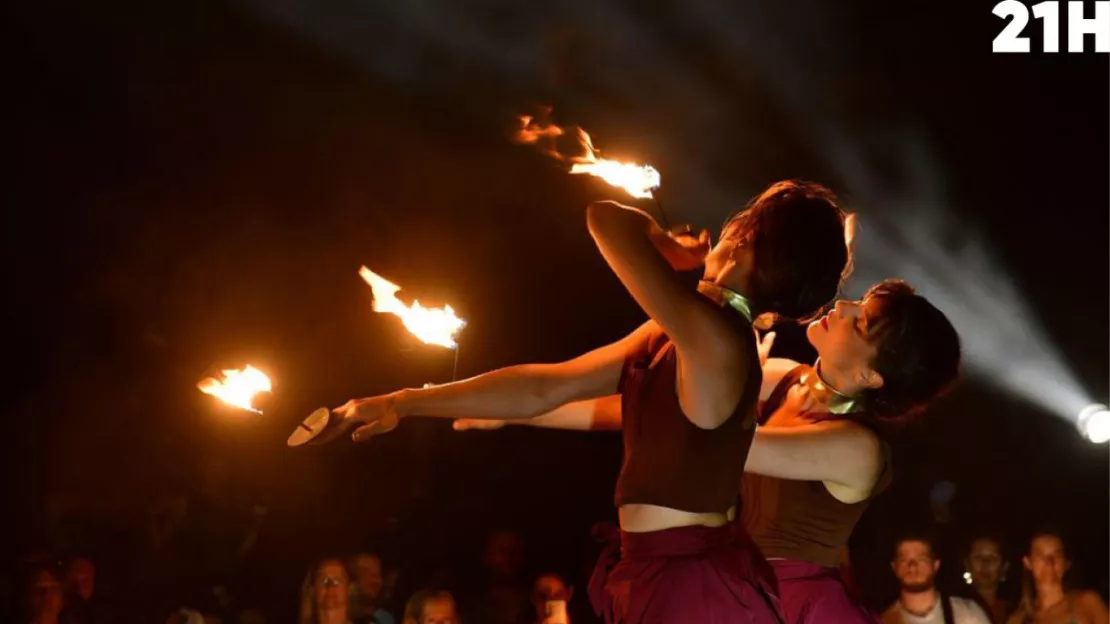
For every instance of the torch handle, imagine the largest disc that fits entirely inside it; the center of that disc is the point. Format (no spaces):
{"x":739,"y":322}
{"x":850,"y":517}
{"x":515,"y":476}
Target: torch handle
{"x":455,"y":364}
{"x":662,"y":213}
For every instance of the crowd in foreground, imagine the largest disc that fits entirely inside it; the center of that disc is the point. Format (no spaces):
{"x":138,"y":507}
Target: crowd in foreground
{"x":357,"y":589}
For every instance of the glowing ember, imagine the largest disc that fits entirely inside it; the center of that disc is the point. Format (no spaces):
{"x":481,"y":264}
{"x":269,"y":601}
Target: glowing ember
{"x":438,"y":326}
{"x":238,"y":387}
{"x":637,"y":180}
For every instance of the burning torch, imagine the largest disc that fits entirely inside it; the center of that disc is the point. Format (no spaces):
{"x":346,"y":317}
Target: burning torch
{"x":433,"y":326}
{"x":639,"y":181}
{"x":237,"y":387}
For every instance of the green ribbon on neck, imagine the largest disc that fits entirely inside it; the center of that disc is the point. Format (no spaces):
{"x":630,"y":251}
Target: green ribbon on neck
{"x":735,"y":300}
{"x":835,"y":401}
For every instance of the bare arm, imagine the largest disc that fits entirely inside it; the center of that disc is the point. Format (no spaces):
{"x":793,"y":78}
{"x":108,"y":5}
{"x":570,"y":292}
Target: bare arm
{"x":602,"y":414}
{"x":526,"y":391}
{"x":711,"y":362}
{"x":510,"y":393}
{"x":835,"y":452}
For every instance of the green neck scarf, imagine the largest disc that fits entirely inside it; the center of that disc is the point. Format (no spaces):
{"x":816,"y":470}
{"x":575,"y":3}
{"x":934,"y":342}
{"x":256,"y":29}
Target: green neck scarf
{"x":835,"y":401}
{"x":733,"y":299}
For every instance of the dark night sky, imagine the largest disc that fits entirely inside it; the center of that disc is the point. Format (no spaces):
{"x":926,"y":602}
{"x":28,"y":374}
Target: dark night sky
{"x":195,"y":185}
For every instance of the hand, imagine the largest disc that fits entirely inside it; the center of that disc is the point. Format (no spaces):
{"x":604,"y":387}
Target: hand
{"x":683,"y":250}
{"x":376,"y":415}
{"x":763,"y":346}
{"x":477,"y":424}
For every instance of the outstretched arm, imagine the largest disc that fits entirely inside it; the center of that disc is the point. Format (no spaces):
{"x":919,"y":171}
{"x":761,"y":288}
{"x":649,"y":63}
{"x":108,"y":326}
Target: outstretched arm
{"x":602,"y":414}
{"x":515,"y":392}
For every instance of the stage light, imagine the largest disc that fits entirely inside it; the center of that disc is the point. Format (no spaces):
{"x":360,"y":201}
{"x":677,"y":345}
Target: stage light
{"x":1094,"y":423}
{"x":918,"y":236}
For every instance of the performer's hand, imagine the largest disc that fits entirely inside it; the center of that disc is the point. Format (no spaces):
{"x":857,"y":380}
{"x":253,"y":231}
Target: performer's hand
{"x":477,"y":424}
{"x":683,"y":250}
{"x":763,"y":345}
{"x":376,"y":415}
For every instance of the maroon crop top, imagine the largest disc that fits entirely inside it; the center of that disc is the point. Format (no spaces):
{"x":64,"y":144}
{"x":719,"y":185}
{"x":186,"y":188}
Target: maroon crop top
{"x":668,"y":460}
{"x":801,"y":520}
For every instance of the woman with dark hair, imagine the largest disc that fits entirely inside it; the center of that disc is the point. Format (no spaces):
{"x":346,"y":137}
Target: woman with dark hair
{"x":818,"y":455}
{"x":1046,"y":598}
{"x":986,"y":572}
{"x":689,"y":380}
{"x":880,"y":361}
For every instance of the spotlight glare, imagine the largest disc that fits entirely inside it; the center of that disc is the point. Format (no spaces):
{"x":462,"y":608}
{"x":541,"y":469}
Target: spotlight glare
{"x":1094,"y":423}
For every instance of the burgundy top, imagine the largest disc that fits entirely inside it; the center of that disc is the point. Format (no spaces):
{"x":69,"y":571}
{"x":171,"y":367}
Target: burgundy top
{"x":801,"y":520}
{"x":668,"y":460}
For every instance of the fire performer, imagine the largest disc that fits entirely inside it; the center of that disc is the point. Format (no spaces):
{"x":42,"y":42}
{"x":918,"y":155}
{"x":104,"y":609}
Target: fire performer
{"x":880,"y":361}
{"x":818,"y":456}
{"x":689,"y":381}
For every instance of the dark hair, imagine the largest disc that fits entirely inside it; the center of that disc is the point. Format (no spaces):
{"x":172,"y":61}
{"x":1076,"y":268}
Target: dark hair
{"x":800,"y":257}
{"x":924,"y":537}
{"x":918,"y":352}
{"x":986,"y":537}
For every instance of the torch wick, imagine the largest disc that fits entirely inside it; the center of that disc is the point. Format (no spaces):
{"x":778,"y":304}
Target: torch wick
{"x":305,"y":427}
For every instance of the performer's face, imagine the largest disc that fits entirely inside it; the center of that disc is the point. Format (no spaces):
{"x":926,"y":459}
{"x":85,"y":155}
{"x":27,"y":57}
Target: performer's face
{"x":915,"y":566}
{"x":845,"y":341}
{"x":1046,"y":560}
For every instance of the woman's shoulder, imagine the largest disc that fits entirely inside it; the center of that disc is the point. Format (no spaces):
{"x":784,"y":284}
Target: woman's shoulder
{"x":1087,"y":601}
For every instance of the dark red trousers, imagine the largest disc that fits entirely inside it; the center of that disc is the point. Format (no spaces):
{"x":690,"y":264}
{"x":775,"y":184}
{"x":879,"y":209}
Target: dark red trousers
{"x":815,"y":594}
{"x":696,"y":575}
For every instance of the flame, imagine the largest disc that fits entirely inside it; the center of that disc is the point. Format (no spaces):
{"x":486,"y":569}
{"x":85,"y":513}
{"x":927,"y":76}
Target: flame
{"x":438,"y":326}
{"x":637,"y":180}
{"x":238,"y":387}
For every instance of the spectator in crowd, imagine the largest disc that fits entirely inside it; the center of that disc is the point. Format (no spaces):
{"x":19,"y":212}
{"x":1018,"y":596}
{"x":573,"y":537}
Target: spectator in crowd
{"x":986,"y":569}
{"x":430,"y":606}
{"x":504,"y":598}
{"x":1045,"y":596}
{"x":366,"y":591}
{"x":919,"y":602}
{"x":80,"y":577}
{"x":325,"y":597}
{"x":42,"y":596}
{"x":83,"y":604}
{"x":550,"y":597}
